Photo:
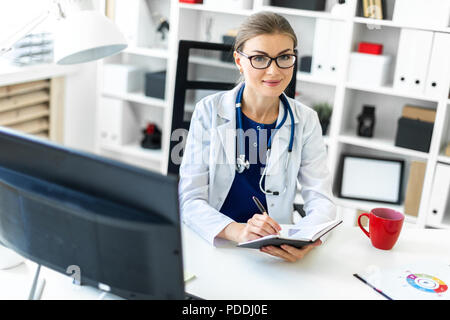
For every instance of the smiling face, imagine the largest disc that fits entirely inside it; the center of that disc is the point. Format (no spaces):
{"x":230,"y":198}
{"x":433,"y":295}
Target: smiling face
{"x":272,"y":81}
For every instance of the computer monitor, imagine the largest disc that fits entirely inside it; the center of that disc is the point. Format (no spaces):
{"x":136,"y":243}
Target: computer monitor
{"x":118,"y":223}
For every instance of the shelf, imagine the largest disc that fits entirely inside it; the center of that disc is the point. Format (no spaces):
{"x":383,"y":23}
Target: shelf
{"x":393,"y":24}
{"x":444,"y":159}
{"x":301,"y":76}
{"x":302,"y":13}
{"x":308,"y":77}
{"x":439,"y":226}
{"x":389,"y":91}
{"x":135,"y":150}
{"x":202,"y":7}
{"x":366,"y":205}
{"x":380,"y":143}
{"x":137,"y":97}
{"x":212,"y":62}
{"x":148,"y":52}
{"x":369,"y":205}
{"x":10,"y":74}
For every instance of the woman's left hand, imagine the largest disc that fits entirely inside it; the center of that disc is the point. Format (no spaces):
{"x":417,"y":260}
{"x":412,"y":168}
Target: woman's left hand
{"x":290,"y":253}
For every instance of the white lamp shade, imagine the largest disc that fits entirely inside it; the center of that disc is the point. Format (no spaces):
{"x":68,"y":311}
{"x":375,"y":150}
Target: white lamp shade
{"x":86,"y":36}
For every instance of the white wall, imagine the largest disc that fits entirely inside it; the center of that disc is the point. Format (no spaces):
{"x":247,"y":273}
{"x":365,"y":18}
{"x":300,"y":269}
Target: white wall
{"x":81,"y":100}
{"x":80,"y":108}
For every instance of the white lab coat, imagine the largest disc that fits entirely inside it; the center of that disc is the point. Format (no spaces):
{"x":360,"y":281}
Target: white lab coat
{"x":208,"y":166}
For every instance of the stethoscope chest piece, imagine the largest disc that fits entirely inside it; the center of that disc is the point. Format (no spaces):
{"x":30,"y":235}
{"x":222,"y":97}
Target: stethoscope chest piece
{"x":242,"y":164}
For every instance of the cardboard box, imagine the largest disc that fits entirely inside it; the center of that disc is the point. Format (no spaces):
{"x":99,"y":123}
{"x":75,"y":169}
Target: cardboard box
{"x":414,"y":188}
{"x":364,"y":221}
{"x":419,"y":113}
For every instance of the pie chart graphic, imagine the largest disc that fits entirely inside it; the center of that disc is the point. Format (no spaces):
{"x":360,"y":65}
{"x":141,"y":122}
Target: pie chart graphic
{"x":426,"y":283}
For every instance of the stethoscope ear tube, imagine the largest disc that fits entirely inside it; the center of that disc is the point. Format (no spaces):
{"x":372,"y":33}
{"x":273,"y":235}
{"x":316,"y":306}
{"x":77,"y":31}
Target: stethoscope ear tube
{"x":241,"y":162}
{"x":263,"y":175}
{"x":291,"y":115}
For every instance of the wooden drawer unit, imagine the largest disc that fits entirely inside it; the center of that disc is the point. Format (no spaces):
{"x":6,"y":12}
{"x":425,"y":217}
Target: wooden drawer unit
{"x":34,"y":108}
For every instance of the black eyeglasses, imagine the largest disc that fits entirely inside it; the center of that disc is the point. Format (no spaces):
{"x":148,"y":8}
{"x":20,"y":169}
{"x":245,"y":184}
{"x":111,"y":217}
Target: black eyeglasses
{"x":260,"y":61}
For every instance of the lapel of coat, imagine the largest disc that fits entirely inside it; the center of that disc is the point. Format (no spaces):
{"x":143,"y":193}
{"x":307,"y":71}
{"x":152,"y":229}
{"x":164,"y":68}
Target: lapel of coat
{"x":280,"y":141}
{"x":226,"y":126}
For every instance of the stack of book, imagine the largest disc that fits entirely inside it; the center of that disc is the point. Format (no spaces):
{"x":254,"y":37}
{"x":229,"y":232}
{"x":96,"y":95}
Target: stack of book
{"x":373,"y":9}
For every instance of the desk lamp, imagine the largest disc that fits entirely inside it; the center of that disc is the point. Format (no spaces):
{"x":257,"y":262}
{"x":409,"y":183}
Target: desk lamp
{"x":82,"y":34}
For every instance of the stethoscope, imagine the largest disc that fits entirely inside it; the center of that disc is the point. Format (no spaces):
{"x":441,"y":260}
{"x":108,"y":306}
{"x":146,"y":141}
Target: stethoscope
{"x":241,"y":162}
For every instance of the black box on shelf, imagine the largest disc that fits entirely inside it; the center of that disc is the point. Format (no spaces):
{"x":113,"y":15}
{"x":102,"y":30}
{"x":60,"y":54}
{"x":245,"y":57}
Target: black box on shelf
{"x":224,"y":55}
{"x":305,"y":64}
{"x":316,"y":5}
{"x":414,"y":134}
{"x":155,"y":84}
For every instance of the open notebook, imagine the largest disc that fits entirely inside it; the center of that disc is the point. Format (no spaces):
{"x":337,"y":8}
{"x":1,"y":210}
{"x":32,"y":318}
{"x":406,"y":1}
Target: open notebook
{"x":297,"y":235}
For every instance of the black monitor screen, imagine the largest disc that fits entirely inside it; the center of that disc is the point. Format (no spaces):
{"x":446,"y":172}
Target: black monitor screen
{"x":119,"y":224}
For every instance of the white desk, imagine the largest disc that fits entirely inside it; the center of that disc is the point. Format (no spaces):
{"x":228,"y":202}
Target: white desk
{"x":15,"y":284}
{"x":236,"y":273}
{"x":325,"y":273}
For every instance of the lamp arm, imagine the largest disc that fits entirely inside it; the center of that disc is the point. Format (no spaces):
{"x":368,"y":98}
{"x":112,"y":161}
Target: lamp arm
{"x":7,"y":44}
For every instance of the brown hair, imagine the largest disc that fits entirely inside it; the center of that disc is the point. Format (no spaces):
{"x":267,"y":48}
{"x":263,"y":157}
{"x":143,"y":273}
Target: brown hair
{"x":263,"y":23}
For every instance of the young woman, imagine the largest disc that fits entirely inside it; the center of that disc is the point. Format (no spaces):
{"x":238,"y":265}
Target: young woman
{"x":226,"y":161}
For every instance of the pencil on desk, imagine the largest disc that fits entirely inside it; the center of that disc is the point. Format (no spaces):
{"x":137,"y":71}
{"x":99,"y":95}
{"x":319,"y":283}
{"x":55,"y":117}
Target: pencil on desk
{"x":373,"y":287}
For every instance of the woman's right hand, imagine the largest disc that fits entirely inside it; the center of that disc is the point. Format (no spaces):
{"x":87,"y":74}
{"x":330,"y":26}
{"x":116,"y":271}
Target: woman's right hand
{"x":260,"y":225}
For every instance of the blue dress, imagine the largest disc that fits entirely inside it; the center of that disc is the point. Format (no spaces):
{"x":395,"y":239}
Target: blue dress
{"x":239,"y":205}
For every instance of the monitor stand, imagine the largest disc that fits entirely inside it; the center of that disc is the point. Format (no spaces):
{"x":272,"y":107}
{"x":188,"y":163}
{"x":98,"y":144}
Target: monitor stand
{"x":37,"y":287}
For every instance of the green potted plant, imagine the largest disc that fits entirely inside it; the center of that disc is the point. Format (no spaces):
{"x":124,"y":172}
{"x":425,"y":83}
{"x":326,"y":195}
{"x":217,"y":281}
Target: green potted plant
{"x":324,"y":111}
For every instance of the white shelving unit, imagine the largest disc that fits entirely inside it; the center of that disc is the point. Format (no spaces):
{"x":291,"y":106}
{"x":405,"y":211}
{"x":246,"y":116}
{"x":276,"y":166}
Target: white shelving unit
{"x":137,"y":97}
{"x":389,"y":90}
{"x":390,"y":23}
{"x":148,"y":52}
{"x":298,"y":12}
{"x":205,"y":23}
{"x":206,"y":8}
{"x":384,"y":144}
{"x":10,"y":74}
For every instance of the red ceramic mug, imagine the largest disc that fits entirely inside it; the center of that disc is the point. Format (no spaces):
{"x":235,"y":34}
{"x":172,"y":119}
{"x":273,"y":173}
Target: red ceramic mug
{"x":384,"y":227}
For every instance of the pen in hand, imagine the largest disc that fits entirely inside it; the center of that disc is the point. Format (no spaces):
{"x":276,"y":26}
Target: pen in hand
{"x":262,"y":209}
{"x":259,"y":205}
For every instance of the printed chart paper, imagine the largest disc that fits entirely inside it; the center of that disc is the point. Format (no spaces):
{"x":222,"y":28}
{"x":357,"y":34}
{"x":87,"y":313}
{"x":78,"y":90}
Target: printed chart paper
{"x":418,"y":281}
